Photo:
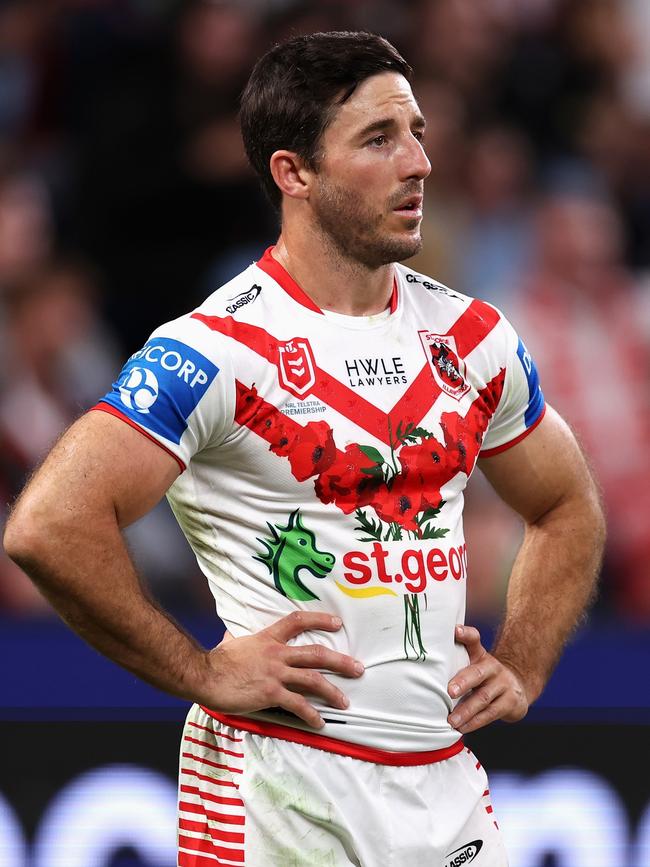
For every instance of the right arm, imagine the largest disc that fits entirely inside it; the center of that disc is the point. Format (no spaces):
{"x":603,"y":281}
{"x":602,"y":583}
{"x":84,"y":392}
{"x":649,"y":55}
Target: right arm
{"x":65,"y":532}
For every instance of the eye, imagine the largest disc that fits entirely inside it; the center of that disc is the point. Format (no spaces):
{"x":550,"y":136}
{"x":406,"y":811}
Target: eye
{"x":419,"y":135}
{"x":302,"y":541}
{"x":378,"y":140}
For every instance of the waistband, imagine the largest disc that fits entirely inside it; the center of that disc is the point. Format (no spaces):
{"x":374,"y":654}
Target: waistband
{"x":334,"y":745}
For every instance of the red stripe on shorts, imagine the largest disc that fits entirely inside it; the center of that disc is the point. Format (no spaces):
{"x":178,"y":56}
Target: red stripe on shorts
{"x":225,"y":818}
{"x":203,"y":761}
{"x":214,"y":747}
{"x":191,"y":807}
{"x":216,"y":799}
{"x":214,"y":733}
{"x":214,"y":833}
{"x":215,"y":780}
{"x":196,"y":844}
{"x":193,"y":859}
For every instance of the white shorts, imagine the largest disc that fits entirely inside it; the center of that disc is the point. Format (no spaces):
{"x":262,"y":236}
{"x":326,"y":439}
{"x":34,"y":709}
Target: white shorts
{"x":247,"y":800}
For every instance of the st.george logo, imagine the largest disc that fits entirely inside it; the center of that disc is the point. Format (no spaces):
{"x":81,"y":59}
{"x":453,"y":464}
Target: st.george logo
{"x":448,"y":369}
{"x":139,"y":390}
{"x":296,"y":366}
{"x":289,"y":550}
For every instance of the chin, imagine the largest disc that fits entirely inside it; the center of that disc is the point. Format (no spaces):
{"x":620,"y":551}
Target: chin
{"x":404,"y":248}
{"x":389,"y":250}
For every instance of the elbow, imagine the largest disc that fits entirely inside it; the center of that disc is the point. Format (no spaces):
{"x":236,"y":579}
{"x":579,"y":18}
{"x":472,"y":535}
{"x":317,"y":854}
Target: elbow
{"x":23,"y":538}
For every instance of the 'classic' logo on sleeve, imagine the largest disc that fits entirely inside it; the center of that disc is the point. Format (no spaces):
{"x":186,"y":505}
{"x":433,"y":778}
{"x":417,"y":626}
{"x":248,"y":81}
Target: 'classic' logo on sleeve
{"x":161,"y":385}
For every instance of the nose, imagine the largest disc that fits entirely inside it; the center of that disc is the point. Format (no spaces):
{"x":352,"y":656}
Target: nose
{"x":416,"y":163}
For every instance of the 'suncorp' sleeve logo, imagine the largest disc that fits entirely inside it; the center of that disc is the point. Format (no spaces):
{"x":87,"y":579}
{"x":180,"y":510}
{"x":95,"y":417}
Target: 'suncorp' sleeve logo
{"x":160,"y":386}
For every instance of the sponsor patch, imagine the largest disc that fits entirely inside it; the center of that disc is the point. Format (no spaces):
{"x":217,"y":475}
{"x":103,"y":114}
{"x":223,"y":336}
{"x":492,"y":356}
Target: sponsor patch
{"x":430,"y":285}
{"x":448,"y":369}
{"x":160,"y":386}
{"x":464,"y":855}
{"x":375,"y":371}
{"x":399,"y":568}
{"x":243,"y":298}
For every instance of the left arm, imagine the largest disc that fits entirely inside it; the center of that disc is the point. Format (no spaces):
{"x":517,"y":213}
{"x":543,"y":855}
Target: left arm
{"x":546,"y":480}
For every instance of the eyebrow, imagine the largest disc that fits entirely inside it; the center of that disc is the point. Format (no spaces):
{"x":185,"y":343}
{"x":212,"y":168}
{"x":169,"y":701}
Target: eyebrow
{"x":387,"y":123}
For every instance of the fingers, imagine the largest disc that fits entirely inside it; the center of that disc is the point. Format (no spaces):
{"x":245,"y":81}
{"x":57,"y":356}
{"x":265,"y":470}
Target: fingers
{"x":502,"y":698}
{"x":480,"y":662}
{"x":301,"y":621}
{"x":473,"y":676}
{"x":308,"y":681}
{"x":470,"y":717}
{"x":297,"y":704}
{"x":261,"y":670}
{"x":478,"y":702}
{"x":488,"y":690}
{"x":471,"y":638}
{"x":318,"y":656}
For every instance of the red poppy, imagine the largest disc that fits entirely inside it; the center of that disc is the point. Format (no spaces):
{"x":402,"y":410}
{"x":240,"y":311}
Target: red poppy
{"x":463,"y":437}
{"x":401,"y":502}
{"x":428,"y":465}
{"x":279,"y":431}
{"x":247,"y":405}
{"x":312,"y":450}
{"x":346,"y":484}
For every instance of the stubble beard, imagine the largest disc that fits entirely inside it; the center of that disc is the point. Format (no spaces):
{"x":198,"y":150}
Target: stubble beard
{"x":355,"y":231}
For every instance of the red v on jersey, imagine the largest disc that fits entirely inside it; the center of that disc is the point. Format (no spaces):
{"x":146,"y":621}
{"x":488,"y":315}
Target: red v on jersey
{"x":469,"y":330}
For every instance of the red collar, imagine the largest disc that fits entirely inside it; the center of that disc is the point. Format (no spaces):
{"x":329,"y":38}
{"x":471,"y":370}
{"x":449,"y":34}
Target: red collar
{"x":274,"y":269}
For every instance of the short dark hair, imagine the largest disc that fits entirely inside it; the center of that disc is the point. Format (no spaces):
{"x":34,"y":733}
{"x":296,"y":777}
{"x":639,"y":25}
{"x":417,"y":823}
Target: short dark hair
{"x":295,"y":88}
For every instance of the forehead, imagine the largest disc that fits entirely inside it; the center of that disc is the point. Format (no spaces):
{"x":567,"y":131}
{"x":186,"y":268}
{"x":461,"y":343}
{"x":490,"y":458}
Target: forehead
{"x":387,"y":94}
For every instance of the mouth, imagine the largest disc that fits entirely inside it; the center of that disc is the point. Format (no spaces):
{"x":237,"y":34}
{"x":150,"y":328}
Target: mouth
{"x":410,"y":207}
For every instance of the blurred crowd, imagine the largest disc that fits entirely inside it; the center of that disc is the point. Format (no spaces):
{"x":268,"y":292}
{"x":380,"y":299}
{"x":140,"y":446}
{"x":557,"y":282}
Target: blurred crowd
{"x":125,"y":198}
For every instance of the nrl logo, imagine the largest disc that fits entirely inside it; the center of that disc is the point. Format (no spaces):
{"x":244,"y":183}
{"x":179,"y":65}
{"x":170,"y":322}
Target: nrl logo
{"x":296,"y":366}
{"x":448,"y":369}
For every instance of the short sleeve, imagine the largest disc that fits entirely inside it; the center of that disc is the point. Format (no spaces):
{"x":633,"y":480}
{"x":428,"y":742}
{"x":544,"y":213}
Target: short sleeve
{"x":177,"y":390}
{"x":521,"y":406}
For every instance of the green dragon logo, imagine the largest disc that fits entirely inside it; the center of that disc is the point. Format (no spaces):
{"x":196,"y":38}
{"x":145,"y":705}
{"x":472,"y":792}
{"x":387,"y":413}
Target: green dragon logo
{"x":289,"y":550}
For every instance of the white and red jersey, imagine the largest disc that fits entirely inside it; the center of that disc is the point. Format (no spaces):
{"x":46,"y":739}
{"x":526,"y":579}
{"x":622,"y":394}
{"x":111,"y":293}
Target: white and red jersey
{"x":324,"y":459}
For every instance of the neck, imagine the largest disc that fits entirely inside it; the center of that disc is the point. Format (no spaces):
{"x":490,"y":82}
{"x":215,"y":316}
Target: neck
{"x":332,"y":280}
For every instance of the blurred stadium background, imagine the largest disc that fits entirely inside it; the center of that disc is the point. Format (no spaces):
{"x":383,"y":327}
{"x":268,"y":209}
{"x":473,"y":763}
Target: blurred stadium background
{"x":125,"y":198}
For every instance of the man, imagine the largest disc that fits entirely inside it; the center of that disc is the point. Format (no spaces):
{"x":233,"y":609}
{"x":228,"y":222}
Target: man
{"x":314,"y":424}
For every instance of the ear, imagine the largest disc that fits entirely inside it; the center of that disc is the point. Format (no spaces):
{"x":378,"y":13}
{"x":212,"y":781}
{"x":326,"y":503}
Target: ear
{"x":291,"y":175}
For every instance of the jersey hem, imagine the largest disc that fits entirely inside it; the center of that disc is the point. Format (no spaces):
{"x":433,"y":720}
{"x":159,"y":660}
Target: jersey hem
{"x":333,"y":745}
{"x":111,"y":410}
{"x":488,"y":453}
